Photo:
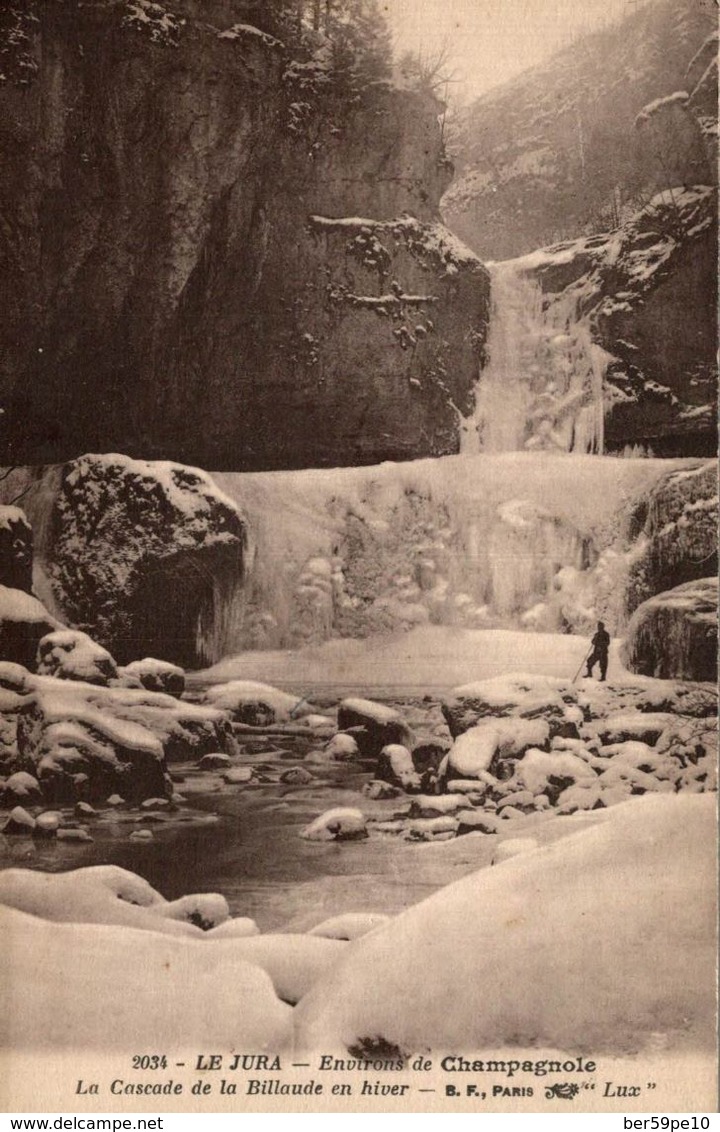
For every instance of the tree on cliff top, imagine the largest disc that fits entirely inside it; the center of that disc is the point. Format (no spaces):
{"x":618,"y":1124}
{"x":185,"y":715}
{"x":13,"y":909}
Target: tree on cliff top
{"x":350,"y":37}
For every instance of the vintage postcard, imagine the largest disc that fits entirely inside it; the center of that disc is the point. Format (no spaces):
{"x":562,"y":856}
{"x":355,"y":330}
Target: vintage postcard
{"x":358,"y":556}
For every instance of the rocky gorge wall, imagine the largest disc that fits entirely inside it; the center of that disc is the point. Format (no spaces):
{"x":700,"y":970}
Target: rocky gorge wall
{"x":568,"y":146}
{"x":166,"y":292}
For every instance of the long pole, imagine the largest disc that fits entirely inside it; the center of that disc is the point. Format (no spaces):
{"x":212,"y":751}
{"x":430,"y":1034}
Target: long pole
{"x":584,"y":659}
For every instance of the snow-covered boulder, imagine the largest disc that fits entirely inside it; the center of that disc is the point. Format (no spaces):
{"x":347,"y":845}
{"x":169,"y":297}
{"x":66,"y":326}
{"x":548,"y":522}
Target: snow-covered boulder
{"x":117,"y":738}
{"x":341,"y":824}
{"x":515,"y":694}
{"x":156,"y":675}
{"x":107,"y":894}
{"x":16,"y":549}
{"x":258,"y":705}
{"x":395,"y":765}
{"x":341,"y":748}
{"x":24,"y":621}
{"x":240,"y":927}
{"x":435,"y":805}
{"x":477,"y":821}
{"x":19,"y":823}
{"x":78,"y":750}
{"x":143,"y":555}
{"x":491,"y":742}
{"x":20,"y":788}
{"x":97,"y":987}
{"x":616,"y":947}
{"x":674,"y":634}
{"x":550,"y":772}
{"x":71,"y":655}
{"x":374,"y":725}
{"x":644,"y":727}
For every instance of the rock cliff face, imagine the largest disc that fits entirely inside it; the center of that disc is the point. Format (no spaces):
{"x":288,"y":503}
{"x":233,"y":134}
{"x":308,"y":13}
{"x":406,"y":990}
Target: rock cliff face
{"x":559,"y":151}
{"x":167,"y":292}
{"x":649,"y":292}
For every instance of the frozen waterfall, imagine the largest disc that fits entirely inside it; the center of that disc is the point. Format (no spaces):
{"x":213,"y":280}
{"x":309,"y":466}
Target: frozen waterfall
{"x":542,"y":387}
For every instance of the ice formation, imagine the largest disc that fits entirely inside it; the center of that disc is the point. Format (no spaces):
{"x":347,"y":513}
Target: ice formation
{"x":542,"y":387}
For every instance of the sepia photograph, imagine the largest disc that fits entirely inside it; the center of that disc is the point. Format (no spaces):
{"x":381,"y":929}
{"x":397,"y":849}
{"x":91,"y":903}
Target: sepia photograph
{"x":358,"y":556}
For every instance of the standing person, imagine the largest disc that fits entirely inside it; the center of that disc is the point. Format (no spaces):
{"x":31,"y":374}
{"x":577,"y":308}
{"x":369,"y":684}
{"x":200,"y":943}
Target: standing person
{"x":599,"y":655}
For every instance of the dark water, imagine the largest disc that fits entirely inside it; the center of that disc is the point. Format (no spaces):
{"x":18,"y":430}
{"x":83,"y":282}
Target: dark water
{"x":244,"y":842}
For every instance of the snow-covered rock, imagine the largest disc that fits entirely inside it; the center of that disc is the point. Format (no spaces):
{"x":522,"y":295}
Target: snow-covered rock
{"x":257,"y":704}
{"x":674,"y":634}
{"x":90,"y":986}
{"x":616,"y":946}
{"x":16,"y":549}
{"x":646,"y":727}
{"x":435,"y":805}
{"x":19,"y":822}
{"x":107,"y":894}
{"x":78,"y":749}
{"x":374,"y":725}
{"x":550,"y":772}
{"x":395,"y":765}
{"x":157,"y":675}
{"x":343,"y":823}
{"x":237,"y":928}
{"x":515,"y":694}
{"x":143,"y":555}
{"x":71,"y":655}
{"x":20,"y":787}
{"x":24,"y":621}
{"x":477,"y":821}
{"x":480,"y":749}
{"x":341,"y":747}
{"x":117,"y":739}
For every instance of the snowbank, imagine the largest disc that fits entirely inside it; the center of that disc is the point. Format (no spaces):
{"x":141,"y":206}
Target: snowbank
{"x":99,"y":987}
{"x":107,"y":894}
{"x":599,"y":942}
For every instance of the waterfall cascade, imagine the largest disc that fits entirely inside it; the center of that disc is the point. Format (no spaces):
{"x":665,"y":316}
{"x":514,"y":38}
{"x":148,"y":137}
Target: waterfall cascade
{"x":542,"y":387}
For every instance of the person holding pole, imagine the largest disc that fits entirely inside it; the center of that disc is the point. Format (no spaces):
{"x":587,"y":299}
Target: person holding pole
{"x":599,"y":654}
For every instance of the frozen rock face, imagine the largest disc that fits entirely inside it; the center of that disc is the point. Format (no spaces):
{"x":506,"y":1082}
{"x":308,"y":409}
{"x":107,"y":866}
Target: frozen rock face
{"x":674,"y":634}
{"x":142,"y":556}
{"x":554,"y":152}
{"x":173,"y":206}
{"x":16,"y":550}
{"x":647,"y":292}
{"x":678,"y":534}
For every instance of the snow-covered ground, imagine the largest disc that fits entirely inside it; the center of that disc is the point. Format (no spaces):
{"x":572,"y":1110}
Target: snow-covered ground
{"x":426,"y":659}
{"x":597,"y":942}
